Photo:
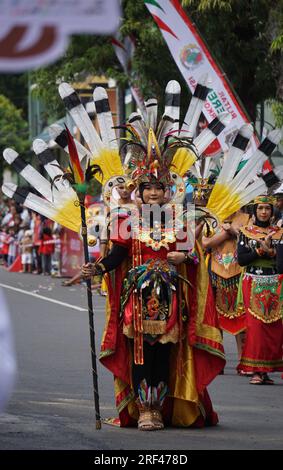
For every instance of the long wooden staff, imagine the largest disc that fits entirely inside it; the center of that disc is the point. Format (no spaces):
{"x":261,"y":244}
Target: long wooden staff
{"x":79,"y":178}
{"x":90,"y":315}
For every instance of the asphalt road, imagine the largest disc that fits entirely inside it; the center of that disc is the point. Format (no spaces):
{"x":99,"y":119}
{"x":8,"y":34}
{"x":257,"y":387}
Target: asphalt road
{"x":52,"y":404}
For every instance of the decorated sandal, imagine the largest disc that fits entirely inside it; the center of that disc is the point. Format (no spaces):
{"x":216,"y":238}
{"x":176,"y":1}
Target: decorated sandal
{"x":267,"y":380}
{"x":157,"y":419}
{"x":256,"y":380}
{"x":146,"y":422}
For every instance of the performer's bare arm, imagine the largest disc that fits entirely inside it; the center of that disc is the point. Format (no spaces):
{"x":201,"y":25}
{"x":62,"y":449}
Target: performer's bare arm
{"x":215,"y":240}
{"x":199,"y":228}
{"x":176,"y":257}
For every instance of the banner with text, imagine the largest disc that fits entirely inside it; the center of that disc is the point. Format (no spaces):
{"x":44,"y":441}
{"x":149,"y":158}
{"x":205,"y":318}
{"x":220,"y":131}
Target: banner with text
{"x":35,"y":33}
{"x":194,"y":59}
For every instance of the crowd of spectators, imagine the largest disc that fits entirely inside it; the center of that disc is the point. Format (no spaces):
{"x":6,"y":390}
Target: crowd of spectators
{"x":29,"y":235}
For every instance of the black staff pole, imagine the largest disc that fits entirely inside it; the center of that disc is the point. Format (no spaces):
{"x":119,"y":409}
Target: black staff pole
{"x":90,"y":315}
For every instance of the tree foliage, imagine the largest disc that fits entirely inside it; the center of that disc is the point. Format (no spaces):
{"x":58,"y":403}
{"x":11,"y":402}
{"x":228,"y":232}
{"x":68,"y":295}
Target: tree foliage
{"x":152,"y":65}
{"x":13,"y":128}
{"x":244,"y":37}
{"x":15,"y":88}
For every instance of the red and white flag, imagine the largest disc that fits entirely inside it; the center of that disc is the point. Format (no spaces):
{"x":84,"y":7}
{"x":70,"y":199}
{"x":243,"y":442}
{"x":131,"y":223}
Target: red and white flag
{"x":194,"y":60}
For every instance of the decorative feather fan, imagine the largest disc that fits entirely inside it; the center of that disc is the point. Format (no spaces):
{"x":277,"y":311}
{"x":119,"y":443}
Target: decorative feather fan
{"x":233,"y":189}
{"x":153,"y":149}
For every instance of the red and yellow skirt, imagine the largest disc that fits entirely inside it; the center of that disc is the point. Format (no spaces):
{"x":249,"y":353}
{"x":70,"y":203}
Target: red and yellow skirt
{"x":231,"y":318}
{"x":264,"y":335}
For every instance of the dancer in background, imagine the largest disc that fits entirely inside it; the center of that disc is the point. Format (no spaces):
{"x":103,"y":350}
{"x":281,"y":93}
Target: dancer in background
{"x":225,"y":275}
{"x":260,"y":285}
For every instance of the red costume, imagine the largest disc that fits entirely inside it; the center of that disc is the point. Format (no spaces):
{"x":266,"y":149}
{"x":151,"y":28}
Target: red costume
{"x":189,"y":324}
{"x":259,"y":288}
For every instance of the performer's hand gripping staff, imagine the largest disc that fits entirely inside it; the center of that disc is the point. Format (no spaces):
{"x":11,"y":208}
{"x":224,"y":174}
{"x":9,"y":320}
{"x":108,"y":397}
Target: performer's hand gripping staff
{"x":79,"y":180}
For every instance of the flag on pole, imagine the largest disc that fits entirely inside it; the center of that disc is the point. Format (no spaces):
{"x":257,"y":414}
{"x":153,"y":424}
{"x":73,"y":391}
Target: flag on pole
{"x":194,"y":59}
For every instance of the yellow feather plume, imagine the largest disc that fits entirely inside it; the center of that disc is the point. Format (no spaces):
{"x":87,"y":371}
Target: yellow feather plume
{"x":182,"y":161}
{"x":69,"y":216}
{"x":110,"y":163}
{"x":222,"y":203}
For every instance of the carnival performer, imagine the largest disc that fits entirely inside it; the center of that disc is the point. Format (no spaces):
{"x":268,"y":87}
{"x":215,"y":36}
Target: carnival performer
{"x":232,"y":189}
{"x":219,"y":243}
{"x":160,"y":300}
{"x":225,"y":275}
{"x":168,"y":347}
{"x":161,"y":342}
{"x":260,"y":285}
{"x":201,"y":177}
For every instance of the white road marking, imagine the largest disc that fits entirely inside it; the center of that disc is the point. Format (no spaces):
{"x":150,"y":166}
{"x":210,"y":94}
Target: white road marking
{"x":16,"y":289}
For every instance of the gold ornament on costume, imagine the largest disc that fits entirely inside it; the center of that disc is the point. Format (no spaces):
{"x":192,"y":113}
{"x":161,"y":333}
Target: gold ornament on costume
{"x":208,"y":229}
{"x":265,"y":200}
{"x":202,"y":190}
{"x":151,"y":156}
{"x":130,"y":186}
{"x":91,"y":240}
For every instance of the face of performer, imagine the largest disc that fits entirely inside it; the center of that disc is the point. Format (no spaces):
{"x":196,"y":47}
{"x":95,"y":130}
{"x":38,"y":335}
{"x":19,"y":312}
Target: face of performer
{"x":263,"y":212}
{"x":123,"y":192}
{"x":153,"y":193}
{"x":168,"y":195}
{"x":279,"y":202}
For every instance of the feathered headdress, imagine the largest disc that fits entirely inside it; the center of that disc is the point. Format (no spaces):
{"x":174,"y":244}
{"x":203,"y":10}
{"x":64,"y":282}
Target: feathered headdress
{"x":164,"y":151}
{"x":201,"y":177}
{"x":264,"y":199}
{"x":154,"y":149}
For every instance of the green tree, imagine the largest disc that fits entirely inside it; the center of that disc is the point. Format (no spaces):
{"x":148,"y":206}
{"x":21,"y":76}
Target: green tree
{"x":239,"y":35}
{"x":152,"y":64}
{"x":15,"y":88}
{"x":13,"y":129}
{"x":276,"y":29}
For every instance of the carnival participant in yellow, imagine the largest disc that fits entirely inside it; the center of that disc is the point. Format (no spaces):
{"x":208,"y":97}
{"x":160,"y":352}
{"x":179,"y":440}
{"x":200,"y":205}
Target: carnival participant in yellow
{"x":225,"y":275}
